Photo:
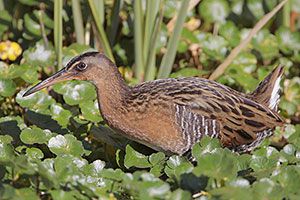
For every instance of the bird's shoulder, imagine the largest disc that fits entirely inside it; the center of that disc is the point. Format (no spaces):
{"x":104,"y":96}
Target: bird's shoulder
{"x":203,"y":97}
{"x":188,"y":88}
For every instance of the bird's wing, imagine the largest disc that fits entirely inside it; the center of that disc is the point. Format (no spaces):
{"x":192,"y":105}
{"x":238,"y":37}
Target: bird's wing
{"x":236,"y":120}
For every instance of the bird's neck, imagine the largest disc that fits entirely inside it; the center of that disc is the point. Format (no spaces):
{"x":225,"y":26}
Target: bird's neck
{"x":111,"y":90}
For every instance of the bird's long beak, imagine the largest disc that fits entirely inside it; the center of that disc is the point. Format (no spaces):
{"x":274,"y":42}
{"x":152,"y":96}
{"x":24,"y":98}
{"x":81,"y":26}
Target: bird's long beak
{"x":61,"y":75}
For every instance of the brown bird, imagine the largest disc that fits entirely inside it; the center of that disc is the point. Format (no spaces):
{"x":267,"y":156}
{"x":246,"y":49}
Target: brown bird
{"x":172,"y":114}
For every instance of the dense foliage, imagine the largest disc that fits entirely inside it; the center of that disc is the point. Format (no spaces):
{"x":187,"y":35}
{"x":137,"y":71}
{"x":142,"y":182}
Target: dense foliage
{"x":54,"y":143}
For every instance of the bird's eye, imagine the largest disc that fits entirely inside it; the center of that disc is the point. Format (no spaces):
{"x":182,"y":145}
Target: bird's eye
{"x":81,"y":66}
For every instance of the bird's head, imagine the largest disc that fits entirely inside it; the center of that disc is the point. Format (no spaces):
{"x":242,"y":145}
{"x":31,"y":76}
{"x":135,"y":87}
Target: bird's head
{"x":82,"y":67}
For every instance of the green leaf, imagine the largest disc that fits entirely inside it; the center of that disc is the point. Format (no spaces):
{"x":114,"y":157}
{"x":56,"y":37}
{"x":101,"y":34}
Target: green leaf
{"x":288,"y":178}
{"x":5,"y":21}
{"x":266,"y":44}
{"x":256,"y":8}
{"x":7,"y":87}
{"x":112,"y":174}
{"x":61,"y":115}
{"x":294,"y":138}
{"x":206,"y":145}
{"x":40,"y":55}
{"x":157,"y":161}
{"x":8,"y":192}
{"x":90,"y":110}
{"x":30,"y":2}
{"x":267,"y":189}
{"x":10,"y":71}
{"x":155,"y":158}
{"x":176,"y":166}
{"x":68,"y":167}
{"x":231,"y":33}
{"x":76,"y":92}
{"x":179,"y":194}
{"x":35,"y":135}
{"x":6,"y":139}
{"x":214,"y":10}
{"x":34,"y":153}
{"x":237,"y":6}
{"x":32,"y":26}
{"x":135,"y":159}
{"x":215,"y":47}
{"x":65,"y":144}
{"x":6,"y":152}
{"x":264,"y":159}
{"x":241,"y":68}
{"x":63,"y":195}
{"x":219,"y":164}
{"x":30,"y":75}
{"x":38,"y":101}
{"x":288,"y":41}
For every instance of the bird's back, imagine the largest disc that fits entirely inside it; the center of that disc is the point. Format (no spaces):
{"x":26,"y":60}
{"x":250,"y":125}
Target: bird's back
{"x":203,"y":107}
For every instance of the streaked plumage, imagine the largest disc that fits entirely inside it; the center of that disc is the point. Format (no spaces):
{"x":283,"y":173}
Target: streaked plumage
{"x":173,"y":114}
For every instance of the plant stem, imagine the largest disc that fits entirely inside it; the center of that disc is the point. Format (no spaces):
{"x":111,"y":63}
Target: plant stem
{"x":2,"y":5}
{"x":44,"y":35}
{"x":150,"y":65}
{"x":115,"y":20}
{"x":100,"y":29}
{"x":151,"y":13}
{"x":78,"y":22}
{"x":286,"y":14}
{"x":138,"y":41}
{"x":99,"y":5}
{"x":168,"y":59}
{"x":58,"y":33}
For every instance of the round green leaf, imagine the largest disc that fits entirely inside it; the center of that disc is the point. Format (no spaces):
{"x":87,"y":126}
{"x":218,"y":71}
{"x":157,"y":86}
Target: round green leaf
{"x":65,"y":144}
{"x":38,"y":101}
{"x":76,"y":92}
{"x":266,"y":44}
{"x":35,"y":135}
{"x":7,"y":87}
{"x":256,"y":7}
{"x":288,"y":41}
{"x":215,"y":47}
{"x":34,"y":153}
{"x":231,"y":33}
{"x":90,"y":111}
{"x":214,"y":10}
{"x":10,"y":71}
{"x":39,"y":55}
{"x":60,"y":114}
{"x":135,"y":159}
{"x":6,"y":152}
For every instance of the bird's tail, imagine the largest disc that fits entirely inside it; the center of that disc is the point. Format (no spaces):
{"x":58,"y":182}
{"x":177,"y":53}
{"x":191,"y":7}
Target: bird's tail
{"x":268,"y":91}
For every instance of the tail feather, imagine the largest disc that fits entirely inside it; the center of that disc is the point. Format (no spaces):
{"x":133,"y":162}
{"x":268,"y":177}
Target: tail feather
{"x":268,"y":91}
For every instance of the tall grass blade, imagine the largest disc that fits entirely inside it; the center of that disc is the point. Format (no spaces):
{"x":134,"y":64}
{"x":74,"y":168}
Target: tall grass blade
{"x":58,"y":31}
{"x":168,"y":59}
{"x":287,"y":14}
{"x":151,"y":13}
{"x":138,"y":40}
{"x":78,"y":22}
{"x":100,"y":29}
{"x":1,"y":5}
{"x":115,"y":20}
{"x":151,"y":58}
{"x":99,"y":6}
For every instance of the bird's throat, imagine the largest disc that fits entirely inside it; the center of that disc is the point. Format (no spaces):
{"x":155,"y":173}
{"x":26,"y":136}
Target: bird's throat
{"x":111,"y":93}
